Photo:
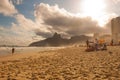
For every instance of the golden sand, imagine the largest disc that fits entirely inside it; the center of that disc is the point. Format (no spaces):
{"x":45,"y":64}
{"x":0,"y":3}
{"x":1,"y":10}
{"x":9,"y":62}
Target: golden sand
{"x":71,"y":63}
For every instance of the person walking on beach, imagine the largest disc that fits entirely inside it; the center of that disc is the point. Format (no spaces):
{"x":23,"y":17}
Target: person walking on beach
{"x":96,"y":44}
{"x":111,"y":42}
{"x":87,"y":43}
{"x":13,"y":50}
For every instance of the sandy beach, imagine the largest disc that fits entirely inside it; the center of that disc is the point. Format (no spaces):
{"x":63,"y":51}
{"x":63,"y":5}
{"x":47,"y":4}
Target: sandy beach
{"x":71,"y":63}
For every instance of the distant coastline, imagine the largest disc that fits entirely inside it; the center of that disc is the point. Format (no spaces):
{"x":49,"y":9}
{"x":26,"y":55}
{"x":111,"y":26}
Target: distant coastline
{"x":56,"y":40}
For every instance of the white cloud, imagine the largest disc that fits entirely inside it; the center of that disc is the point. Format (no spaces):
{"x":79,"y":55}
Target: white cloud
{"x":22,"y":32}
{"x":116,"y":1}
{"x":65,"y":22}
{"x":15,"y":35}
{"x":49,"y":19}
{"x":26,"y":25}
{"x":7,"y":8}
{"x":18,"y":2}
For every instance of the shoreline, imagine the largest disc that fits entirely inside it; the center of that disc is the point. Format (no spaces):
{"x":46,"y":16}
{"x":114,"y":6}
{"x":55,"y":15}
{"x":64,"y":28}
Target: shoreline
{"x":24,"y":53}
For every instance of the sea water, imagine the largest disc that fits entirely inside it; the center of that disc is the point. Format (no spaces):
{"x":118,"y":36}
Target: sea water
{"x":18,"y":50}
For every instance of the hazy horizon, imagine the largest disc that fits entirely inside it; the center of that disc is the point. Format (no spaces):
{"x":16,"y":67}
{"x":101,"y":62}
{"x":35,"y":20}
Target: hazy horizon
{"x":23,"y":21}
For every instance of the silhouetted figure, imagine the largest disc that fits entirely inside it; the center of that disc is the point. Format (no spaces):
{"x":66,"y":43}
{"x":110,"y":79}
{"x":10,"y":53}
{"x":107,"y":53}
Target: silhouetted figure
{"x":104,"y":47}
{"x":111,"y":42}
{"x":96,"y":44}
{"x":87,"y":43}
{"x":119,"y":43}
{"x":13,"y":50}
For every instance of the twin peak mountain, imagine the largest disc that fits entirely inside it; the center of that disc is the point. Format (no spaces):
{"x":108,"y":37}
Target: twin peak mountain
{"x":57,"y":40}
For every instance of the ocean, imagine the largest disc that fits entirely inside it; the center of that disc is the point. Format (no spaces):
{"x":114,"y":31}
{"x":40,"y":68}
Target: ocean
{"x":19,"y":50}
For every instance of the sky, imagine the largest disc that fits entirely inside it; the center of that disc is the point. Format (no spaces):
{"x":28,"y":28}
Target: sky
{"x":26,"y":21}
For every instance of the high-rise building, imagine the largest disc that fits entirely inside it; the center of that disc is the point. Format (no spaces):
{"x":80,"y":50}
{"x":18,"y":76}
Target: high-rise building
{"x":115,"y":29}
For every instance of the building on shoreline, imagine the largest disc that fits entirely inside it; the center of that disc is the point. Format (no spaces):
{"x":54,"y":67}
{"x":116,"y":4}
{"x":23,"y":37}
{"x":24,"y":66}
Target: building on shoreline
{"x":115,"y":29}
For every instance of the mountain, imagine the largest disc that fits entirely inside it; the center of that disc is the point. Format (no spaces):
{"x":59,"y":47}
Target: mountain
{"x":57,"y":40}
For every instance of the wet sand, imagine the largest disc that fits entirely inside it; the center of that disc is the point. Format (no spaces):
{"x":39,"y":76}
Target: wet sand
{"x":71,"y":63}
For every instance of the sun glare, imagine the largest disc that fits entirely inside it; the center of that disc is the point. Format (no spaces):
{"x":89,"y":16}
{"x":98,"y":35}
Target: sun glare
{"x":94,"y":9}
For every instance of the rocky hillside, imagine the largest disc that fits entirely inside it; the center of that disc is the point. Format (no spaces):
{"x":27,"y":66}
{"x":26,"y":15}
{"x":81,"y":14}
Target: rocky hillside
{"x":57,"y":40}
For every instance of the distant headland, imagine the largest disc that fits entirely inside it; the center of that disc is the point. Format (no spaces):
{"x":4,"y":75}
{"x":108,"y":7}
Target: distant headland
{"x":57,"y":40}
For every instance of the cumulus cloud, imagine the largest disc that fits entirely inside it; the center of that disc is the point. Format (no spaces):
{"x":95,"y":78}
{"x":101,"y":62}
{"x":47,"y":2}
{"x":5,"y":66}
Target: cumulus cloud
{"x":116,"y":1}
{"x":65,"y":22}
{"x":17,"y":2}
{"x":7,"y":8}
{"x":48,"y":20}
{"x":15,"y":35}
{"x":22,"y":32}
{"x":24,"y":25}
